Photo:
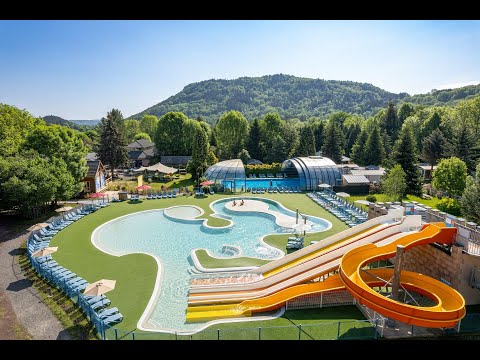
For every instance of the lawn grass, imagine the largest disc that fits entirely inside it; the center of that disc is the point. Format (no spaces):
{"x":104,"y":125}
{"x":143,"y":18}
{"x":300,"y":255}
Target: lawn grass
{"x":384,"y":198}
{"x":136,"y":273}
{"x":210,"y":262}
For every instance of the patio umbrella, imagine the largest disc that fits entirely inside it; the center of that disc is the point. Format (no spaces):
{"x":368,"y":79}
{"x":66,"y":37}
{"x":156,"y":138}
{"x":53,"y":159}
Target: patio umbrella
{"x":207,"y":183}
{"x":44,"y":251}
{"x":302,"y":227}
{"x":96,"y":195}
{"x":99,"y":287}
{"x":324,"y":186}
{"x":64,"y":208}
{"x":37,"y":226}
{"x":343,"y":194}
{"x":143,"y":187}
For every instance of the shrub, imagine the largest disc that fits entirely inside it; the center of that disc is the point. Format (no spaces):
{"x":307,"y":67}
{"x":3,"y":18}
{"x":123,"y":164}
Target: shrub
{"x":371,"y":198}
{"x":450,"y":206}
{"x":272,"y":168}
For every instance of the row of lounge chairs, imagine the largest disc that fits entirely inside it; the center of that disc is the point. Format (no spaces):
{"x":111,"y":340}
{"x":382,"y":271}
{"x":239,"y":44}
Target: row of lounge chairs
{"x":346,"y":212}
{"x":275,"y":189}
{"x":162,"y":195}
{"x":295,"y":242}
{"x":65,"y":280}
{"x":200,"y":193}
{"x":268,"y":176}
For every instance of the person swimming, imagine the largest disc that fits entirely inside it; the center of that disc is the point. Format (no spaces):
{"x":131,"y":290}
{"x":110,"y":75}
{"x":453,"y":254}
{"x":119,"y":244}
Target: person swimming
{"x":234,"y":203}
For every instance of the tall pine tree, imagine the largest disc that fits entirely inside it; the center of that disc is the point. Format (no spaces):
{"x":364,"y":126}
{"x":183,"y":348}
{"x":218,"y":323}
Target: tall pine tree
{"x":306,"y":146}
{"x":433,"y":147}
{"x":462,"y":145}
{"x":333,"y":142}
{"x":351,"y":136}
{"x":391,"y":123}
{"x":198,"y":163}
{"x":358,"y":149}
{"x":318,"y":132}
{"x":112,"y":149}
{"x":374,"y":153}
{"x":254,"y":139}
{"x":405,"y":155}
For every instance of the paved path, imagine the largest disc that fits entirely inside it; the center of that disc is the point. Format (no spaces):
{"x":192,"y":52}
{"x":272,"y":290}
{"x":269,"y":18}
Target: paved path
{"x":36,"y":317}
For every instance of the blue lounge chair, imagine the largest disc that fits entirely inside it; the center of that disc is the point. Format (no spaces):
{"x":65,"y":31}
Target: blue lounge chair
{"x":174,"y":193}
{"x":105,"y":313}
{"x":149,"y":196}
{"x":211,"y":192}
{"x":169,"y":194}
{"x":112,"y":320}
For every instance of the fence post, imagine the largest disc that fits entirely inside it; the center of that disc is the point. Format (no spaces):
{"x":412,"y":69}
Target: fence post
{"x":458,"y":326}
{"x":259,"y":333}
{"x":218,"y":334}
{"x":412,"y":329}
{"x":376,"y":325}
{"x":133,"y":335}
{"x":176,"y":336}
{"x":299,"y":332}
{"x":116,"y":334}
{"x":338,"y":330}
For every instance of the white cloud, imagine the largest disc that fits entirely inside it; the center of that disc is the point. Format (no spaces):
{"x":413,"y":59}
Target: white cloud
{"x":457,"y":85}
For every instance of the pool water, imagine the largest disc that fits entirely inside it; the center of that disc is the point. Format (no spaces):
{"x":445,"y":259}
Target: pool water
{"x":172,"y":240}
{"x":262,"y":183}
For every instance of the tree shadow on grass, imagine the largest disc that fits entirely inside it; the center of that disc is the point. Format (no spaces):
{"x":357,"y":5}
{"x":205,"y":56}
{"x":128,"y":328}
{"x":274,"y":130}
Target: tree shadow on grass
{"x":135,"y":202}
{"x":333,"y":313}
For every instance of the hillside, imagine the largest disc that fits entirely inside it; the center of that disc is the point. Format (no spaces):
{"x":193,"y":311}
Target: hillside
{"x":52,"y":119}
{"x":291,"y":97}
{"x":288,"y":95}
{"x":445,"y":97}
{"x":85,"y":122}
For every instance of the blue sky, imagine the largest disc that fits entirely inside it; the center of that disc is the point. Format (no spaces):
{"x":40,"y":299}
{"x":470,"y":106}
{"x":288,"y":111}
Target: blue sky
{"x":82,"y":69}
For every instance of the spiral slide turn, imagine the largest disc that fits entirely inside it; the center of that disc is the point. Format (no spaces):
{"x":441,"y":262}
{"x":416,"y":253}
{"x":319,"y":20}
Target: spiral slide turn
{"x":450,"y":306}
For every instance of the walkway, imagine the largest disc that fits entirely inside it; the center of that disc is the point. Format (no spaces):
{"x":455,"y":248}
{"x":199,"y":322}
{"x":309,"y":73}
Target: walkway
{"x":25,"y":301}
{"x":260,"y":206}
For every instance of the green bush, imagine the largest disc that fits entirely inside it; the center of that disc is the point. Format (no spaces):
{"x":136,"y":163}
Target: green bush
{"x":450,"y":206}
{"x":272,"y":168}
{"x":371,"y":198}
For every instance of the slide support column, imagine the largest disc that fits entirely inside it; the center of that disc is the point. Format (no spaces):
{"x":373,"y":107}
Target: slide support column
{"x":396,"y":272}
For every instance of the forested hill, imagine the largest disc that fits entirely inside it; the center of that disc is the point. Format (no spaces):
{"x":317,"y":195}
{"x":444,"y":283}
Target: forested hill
{"x":52,"y":119}
{"x":290,"y":96}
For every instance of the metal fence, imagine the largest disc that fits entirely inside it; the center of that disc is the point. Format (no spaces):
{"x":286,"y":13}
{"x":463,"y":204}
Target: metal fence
{"x":340,"y":330}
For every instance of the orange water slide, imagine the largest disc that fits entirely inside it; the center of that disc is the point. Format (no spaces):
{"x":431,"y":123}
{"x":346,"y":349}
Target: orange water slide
{"x":450,"y":307}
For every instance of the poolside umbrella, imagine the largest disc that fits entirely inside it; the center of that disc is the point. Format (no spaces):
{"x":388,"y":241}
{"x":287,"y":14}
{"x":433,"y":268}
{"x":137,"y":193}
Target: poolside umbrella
{"x":44,"y":252}
{"x":207,"y":183}
{"x":343,"y":194}
{"x":324,"y":186}
{"x":96,"y":195}
{"x":143,"y":187}
{"x":302,"y":227}
{"x":37,"y":226}
{"x":99,"y":287}
{"x":64,"y":208}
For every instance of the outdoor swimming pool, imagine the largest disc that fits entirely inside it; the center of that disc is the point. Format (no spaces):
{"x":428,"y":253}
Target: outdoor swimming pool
{"x":171,"y":241}
{"x":263,"y":183}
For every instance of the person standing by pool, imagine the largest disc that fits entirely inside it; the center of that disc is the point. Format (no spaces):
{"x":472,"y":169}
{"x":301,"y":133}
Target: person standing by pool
{"x":271,"y":183}
{"x":241,"y":203}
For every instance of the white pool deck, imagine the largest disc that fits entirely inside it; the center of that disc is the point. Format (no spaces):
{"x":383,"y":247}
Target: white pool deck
{"x":260,"y":206}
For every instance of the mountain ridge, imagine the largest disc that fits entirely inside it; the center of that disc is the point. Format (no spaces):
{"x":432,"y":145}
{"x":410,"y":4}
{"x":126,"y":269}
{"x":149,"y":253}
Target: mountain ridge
{"x":291,"y":97}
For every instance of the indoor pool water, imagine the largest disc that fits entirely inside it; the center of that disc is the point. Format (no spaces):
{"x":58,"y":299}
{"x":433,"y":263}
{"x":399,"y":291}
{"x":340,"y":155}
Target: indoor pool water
{"x":172,"y":242}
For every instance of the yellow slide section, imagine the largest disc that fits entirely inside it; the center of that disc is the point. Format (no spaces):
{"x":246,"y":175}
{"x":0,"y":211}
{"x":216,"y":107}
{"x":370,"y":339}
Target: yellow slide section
{"x":450,"y":306}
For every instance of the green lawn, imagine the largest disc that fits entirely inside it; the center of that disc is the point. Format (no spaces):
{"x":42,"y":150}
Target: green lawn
{"x":136,"y":273}
{"x":384,"y":198}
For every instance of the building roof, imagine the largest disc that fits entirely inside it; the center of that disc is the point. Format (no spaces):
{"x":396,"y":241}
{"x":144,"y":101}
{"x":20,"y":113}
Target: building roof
{"x":175,"y":159}
{"x":224,"y":170}
{"x":368,"y":172}
{"x":356,"y":179}
{"x":140,"y":144}
{"x":345,"y":159}
{"x":352,"y":166}
{"x":92,"y":167}
{"x":312,"y":170}
{"x":254,"y":162}
{"x":150,"y":152}
{"x":91,"y":156}
{"x":137,"y":155}
{"x":425,"y":166}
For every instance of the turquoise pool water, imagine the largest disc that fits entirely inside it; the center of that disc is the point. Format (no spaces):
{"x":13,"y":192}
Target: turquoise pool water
{"x":262,"y":183}
{"x":172,"y":241}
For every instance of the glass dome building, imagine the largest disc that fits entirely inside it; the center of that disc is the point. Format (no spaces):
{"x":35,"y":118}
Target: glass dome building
{"x":229,"y":174}
{"x":312,"y":171}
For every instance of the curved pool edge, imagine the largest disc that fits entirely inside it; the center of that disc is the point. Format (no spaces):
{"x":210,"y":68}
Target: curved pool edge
{"x":198,"y":265}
